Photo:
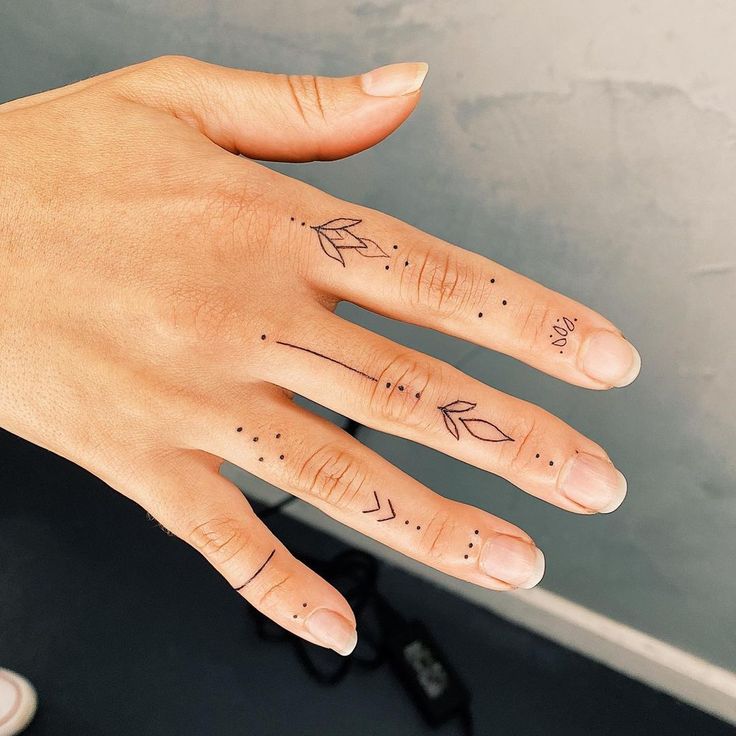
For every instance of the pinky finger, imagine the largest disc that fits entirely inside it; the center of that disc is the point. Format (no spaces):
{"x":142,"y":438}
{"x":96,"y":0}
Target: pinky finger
{"x":210,"y":513}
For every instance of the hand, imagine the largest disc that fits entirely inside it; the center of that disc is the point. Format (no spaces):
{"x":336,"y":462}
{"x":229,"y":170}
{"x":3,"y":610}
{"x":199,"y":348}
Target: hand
{"x":162,"y":298}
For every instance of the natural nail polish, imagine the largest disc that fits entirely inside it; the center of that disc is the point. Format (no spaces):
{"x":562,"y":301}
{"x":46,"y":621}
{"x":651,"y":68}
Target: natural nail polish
{"x":593,"y":483}
{"x":610,"y":359}
{"x":512,"y":560}
{"x":332,"y":630}
{"x":394,"y":80}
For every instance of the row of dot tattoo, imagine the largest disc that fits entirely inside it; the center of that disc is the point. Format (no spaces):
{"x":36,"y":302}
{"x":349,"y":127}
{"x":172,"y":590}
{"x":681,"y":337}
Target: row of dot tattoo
{"x":337,"y":236}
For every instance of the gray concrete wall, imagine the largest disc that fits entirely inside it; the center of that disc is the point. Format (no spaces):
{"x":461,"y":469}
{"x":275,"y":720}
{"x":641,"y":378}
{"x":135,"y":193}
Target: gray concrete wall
{"x":587,"y":143}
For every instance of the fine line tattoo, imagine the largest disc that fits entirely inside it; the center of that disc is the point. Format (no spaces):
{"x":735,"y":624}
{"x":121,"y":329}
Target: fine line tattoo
{"x":327,"y":357}
{"x":561,"y":331}
{"x":481,"y":429}
{"x":378,"y":508}
{"x":337,"y":235}
{"x":257,"y":572}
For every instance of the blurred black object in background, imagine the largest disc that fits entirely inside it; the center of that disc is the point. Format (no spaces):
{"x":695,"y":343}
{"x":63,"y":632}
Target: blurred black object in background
{"x":124,"y":630}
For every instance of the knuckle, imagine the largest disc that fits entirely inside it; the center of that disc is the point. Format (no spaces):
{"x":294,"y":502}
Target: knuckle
{"x":519,"y":458}
{"x":535,"y":320}
{"x":309,"y":98}
{"x":402,"y":391}
{"x":219,"y":539}
{"x":191,"y":316}
{"x":265,"y":599}
{"x":443,"y":284}
{"x":171,"y":63}
{"x":332,"y":475}
{"x":438,"y":536}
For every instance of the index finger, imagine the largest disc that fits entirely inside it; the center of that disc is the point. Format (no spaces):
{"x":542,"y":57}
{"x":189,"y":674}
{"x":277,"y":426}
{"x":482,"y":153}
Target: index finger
{"x":396,"y":270}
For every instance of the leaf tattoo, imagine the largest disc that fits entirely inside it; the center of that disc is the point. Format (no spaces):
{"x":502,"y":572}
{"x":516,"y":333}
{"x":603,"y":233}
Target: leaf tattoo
{"x":481,"y":429}
{"x":336,"y":235}
{"x":563,"y":332}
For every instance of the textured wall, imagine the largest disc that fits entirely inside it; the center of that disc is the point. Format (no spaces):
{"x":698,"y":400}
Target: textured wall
{"x":589,"y":144}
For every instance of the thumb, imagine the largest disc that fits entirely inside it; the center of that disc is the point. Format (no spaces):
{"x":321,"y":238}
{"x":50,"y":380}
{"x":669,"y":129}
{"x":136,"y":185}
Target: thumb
{"x":280,"y":117}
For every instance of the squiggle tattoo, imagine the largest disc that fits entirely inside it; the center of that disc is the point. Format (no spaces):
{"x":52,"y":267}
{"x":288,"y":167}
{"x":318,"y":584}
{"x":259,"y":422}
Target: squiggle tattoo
{"x":481,"y":429}
{"x":336,"y":235}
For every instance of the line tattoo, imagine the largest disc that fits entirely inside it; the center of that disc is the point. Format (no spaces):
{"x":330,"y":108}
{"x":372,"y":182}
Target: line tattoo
{"x":481,"y":429}
{"x":327,"y":357}
{"x":378,"y":508}
{"x":336,"y":236}
{"x":257,"y":572}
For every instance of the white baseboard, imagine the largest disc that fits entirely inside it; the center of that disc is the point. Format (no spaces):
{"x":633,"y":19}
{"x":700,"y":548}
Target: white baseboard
{"x":627,"y":650}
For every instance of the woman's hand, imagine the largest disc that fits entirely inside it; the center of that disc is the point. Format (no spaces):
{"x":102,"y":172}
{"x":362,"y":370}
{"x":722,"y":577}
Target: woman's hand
{"x":162,"y":298}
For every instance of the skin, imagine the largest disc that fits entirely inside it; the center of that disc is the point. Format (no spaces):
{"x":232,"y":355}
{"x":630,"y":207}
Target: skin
{"x":149,"y":277}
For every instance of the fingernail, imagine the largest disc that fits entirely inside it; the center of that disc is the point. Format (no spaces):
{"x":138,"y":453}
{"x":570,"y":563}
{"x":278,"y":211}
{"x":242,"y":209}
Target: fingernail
{"x":609,"y":358}
{"x":332,"y":630}
{"x":394,"y":80}
{"x":593,"y":482}
{"x":513,"y":561}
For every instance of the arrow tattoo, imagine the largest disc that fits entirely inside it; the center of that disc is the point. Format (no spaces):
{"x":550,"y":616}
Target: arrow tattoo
{"x":378,"y":508}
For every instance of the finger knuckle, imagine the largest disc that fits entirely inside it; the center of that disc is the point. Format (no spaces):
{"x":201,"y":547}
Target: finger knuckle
{"x":403,"y":389}
{"x":171,"y":64}
{"x":519,"y":458}
{"x":441,"y":283}
{"x":309,"y":98}
{"x":268,"y":598}
{"x":535,"y":320}
{"x":333,"y":475}
{"x":219,"y":539}
{"x":438,"y":535}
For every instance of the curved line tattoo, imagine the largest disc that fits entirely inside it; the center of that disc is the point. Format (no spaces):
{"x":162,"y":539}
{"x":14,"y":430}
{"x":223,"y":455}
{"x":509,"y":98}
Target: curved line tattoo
{"x":257,"y":572}
{"x":336,"y":235}
{"x":481,"y":429}
{"x":327,"y":357}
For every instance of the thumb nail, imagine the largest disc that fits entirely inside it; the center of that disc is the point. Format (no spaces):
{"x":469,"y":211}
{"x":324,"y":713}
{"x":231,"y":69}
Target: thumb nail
{"x":332,"y":630}
{"x":394,"y":80}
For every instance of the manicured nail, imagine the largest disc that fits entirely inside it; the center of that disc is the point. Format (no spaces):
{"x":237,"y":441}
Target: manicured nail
{"x":609,"y":358}
{"x":512,"y":560}
{"x":332,"y":630}
{"x":394,"y":80}
{"x":593,"y":483}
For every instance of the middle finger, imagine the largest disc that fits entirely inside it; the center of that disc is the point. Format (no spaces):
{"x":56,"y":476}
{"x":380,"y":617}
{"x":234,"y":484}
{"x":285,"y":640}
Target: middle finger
{"x":394,"y":389}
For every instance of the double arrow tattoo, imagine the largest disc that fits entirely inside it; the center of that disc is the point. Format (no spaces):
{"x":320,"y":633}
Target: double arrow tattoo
{"x":378,"y":508}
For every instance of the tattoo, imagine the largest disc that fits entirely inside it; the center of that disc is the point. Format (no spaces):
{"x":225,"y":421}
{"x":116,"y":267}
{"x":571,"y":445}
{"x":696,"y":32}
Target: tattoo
{"x":378,"y":508}
{"x":336,"y":236}
{"x":471,"y":544}
{"x":561,"y":331}
{"x":296,"y":615}
{"x":481,"y":429}
{"x":327,"y":357}
{"x":257,"y":572}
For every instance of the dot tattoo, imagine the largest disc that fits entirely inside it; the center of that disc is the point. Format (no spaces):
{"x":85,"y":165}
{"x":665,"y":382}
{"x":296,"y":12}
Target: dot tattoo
{"x":481,"y":429}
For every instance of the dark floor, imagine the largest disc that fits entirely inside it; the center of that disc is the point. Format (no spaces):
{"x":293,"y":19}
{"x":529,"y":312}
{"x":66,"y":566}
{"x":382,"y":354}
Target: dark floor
{"x":124,"y":630}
